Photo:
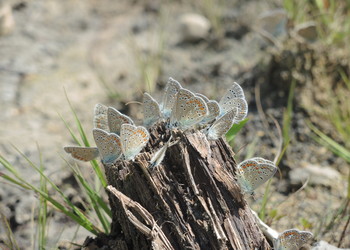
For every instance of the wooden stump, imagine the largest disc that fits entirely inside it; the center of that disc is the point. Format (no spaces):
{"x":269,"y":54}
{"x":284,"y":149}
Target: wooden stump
{"x":190,"y":201}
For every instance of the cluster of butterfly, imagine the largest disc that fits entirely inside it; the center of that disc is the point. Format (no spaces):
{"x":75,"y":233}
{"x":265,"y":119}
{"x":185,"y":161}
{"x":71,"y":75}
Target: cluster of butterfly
{"x":117,"y":137}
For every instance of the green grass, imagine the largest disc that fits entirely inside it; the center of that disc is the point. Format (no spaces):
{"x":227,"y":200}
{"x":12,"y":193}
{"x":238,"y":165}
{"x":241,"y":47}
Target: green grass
{"x":149,"y":65}
{"x":10,"y":242}
{"x":96,"y":215}
{"x":285,"y":138}
{"x":149,"y":62}
{"x":288,"y":114}
{"x":339,"y":117}
{"x":333,"y":28}
{"x":213,"y":10}
{"x":231,"y":134}
{"x":42,"y":215}
{"x":330,"y":16}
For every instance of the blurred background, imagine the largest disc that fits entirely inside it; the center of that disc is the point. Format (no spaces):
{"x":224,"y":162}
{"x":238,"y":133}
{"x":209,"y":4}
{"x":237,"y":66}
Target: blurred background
{"x":290,"y":57}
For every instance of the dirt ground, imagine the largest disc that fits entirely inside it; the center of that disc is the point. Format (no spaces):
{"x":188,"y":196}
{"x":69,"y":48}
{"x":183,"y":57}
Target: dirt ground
{"x":96,"y":52}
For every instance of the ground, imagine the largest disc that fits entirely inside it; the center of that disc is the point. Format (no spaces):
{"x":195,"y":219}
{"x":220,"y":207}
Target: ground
{"x":98,"y":52}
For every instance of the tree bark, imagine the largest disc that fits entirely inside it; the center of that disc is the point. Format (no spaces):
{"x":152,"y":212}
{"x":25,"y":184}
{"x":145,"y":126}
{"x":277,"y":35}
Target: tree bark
{"x":190,"y":201}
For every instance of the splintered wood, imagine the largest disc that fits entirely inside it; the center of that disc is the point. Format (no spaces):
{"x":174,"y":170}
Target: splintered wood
{"x":189,"y":201}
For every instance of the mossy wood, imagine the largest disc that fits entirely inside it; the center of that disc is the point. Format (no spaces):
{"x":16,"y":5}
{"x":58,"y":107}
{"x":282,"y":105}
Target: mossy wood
{"x":190,"y":201}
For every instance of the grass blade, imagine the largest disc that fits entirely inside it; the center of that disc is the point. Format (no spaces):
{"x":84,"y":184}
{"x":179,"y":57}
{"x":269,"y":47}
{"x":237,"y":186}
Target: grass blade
{"x":66,"y":207}
{"x":231,"y":134}
{"x":42,"y":217}
{"x":335,"y":147}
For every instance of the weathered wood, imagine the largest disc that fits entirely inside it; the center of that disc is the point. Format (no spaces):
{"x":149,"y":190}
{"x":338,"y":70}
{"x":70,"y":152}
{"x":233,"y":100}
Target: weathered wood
{"x":190,"y":201}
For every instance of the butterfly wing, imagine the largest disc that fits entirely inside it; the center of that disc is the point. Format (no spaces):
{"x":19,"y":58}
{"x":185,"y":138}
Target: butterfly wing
{"x":116,"y":119}
{"x":206,"y":99}
{"x":133,"y":140}
{"x":242,"y":107}
{"x":189,"y":110}
{"x":151,"y":110}
{"x":235,"y":91}
{"x":292,"y":239}
{"x":305,"y":236}
{"x":158,"y":156}
{"x":222,"y":125}
{"x":197,"y":109}
{"x":100,"y":117}
{"x":234,"y":98}
{"x":261,"y":160}
{"x":213,"y":111}
{"x":253,"y":174}
{"x":82,"y":153}
{"x":108,"y":144}
{"x":169,"y":98}
{"x":180,"y":106}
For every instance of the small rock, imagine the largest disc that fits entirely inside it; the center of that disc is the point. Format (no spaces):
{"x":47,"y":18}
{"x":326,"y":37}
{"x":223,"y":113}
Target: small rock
{"x":7,"y":23}
{"x":23,"y":209}
{"x":194,"y":27}
{"x":322,"y":245}
{"x":319,"y":175}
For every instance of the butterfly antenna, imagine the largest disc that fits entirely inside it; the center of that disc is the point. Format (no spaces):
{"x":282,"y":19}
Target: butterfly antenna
{"x":133,"y":102}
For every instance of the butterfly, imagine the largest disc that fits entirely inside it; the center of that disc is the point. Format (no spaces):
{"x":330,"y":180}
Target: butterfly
{"x":151,"y":110}
{"x":234,"y":98}
{"x":222,"y":125}
{"x":108,"y":144}
{"x":169,"y":97}
{"x":292,"y":239}
{"x":158,"y":156}
{"x":100,"y":117}
{"x":82,"y":153}
{"x":254,"y":172}
{"x":188,"y":110}
{"x":213,"y":109}
{"x":116,"y":119}
{"x":133,"y":140}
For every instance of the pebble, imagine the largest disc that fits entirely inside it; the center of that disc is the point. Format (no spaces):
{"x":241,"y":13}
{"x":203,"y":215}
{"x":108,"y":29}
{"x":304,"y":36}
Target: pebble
{"x":322,"y":245}
{"x":194,"y":27}
{"x":7,"y":22}
{"x":319,"y":175}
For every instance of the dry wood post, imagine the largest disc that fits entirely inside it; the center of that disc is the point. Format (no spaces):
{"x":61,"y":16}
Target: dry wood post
{"x":190,"y":201}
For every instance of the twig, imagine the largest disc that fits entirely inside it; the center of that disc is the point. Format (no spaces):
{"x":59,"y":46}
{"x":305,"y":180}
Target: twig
{"x":262,"y":113}
{"x":270,"y":233}
{"x":345,"y":227}
{"x":280,"y":144}
{"x":189,"y":172}
{"x":154,"y":231}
